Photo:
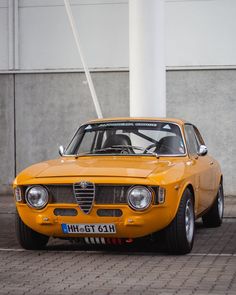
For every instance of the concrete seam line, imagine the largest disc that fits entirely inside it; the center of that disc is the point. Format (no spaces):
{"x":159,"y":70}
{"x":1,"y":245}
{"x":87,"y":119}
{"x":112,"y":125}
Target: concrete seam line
{"x":125,"y":253}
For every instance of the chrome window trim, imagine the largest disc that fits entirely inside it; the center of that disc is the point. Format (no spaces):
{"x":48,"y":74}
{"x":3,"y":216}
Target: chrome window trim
{"x":127,"y":155}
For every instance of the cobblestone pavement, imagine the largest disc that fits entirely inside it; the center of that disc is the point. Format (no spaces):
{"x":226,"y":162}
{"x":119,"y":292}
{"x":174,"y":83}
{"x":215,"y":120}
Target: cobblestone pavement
{"x":64,"y":268}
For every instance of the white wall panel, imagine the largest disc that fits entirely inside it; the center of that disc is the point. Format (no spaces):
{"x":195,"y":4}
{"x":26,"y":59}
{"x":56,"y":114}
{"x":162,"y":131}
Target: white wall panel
{"x":46,"y":39}
{"x":3,"y":35}
{"x":201,"y":32}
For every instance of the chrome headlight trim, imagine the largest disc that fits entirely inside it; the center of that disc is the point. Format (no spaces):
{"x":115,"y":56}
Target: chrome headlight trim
{"x":148,"y":197}
{"x":44,"y":198}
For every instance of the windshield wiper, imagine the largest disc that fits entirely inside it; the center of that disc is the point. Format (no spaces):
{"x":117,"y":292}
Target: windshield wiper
{"x":118,"y":147}
{"x":82,"y":154}
{"x":95,"y":151}
{"x":110,"y":148}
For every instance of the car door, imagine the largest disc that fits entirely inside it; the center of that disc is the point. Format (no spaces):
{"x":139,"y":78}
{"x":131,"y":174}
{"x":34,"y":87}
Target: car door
{"x":200,"y":168}
{"x":210,"y":162}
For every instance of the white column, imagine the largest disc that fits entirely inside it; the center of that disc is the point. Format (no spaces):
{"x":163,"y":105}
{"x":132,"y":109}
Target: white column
{"x":10,"y":34}
{"x":16,"y":34}
{"x":147,"y":58}
{"x":13,"y":52}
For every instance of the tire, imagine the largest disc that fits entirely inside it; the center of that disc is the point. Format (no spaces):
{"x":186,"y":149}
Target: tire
{"x":180,"y":233}
{"x":214,"y":217}
{"x":28,"y":238}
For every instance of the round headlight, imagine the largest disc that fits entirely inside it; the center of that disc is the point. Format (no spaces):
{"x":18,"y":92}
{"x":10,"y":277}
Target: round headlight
{"x":139,"y":197}
{"x":37,"y":196}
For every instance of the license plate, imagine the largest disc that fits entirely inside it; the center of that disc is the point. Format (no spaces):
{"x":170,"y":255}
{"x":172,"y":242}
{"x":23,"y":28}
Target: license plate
{"x":107,"y":228}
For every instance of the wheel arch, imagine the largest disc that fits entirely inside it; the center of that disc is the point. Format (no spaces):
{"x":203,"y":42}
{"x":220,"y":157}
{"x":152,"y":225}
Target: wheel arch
{"x":187,"y":186}
{"x":190,"y":187}
{"x":176,"y":232}
{"x":221,"y":179}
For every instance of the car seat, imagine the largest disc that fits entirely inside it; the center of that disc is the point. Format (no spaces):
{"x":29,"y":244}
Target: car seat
{"x":118,"y":140}
{"x":170,"y":145}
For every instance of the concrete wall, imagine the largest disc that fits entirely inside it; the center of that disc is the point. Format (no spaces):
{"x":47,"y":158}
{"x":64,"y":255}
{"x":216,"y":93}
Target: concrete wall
{"x":49,"y":107}
{"x":7,"y":150}
{"x":208,"y":99}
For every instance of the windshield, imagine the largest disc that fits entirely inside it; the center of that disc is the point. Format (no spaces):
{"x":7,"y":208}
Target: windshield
{"x":133,"y":138}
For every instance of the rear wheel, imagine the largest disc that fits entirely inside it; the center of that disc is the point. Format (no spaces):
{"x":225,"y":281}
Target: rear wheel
{"x":28,"y":238}
{"x":180,"y":233}
{"x":214,"y":217}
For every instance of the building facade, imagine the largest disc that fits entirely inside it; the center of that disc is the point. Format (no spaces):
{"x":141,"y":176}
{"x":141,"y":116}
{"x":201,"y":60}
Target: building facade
{"x":44,"y":95}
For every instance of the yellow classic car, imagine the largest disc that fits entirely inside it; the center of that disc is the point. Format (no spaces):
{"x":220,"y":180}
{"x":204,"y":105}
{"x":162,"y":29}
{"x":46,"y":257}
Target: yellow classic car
{"x":119,"y":180}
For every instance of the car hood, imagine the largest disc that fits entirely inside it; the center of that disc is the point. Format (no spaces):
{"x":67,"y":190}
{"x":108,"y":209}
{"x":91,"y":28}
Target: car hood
{"x":100,"y":166}
{"x":111,"y":166}
{"x":162,"y":170}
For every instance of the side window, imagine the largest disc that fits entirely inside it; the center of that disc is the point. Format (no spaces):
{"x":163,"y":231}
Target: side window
{"x":198,"y":136}
{"x":191,"y":140}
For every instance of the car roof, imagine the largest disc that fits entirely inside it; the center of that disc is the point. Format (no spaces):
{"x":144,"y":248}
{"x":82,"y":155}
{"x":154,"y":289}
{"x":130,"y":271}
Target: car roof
{"x":122,"y":119}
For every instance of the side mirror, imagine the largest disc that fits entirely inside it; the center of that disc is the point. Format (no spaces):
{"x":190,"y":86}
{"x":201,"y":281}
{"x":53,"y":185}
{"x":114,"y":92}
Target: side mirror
{"x":61,"y":150}
{"x":202,"y":151}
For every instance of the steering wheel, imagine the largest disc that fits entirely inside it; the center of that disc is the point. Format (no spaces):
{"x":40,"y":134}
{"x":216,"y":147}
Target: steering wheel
{"x":151,"y":146}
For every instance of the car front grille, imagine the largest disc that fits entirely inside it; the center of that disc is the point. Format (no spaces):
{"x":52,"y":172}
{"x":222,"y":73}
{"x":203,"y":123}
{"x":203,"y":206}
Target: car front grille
{"x":84,"y":193}
{"x":61,"y":193}
{"x":109,"y":212}
{"x":111,"y":194}
{"x":96,"y":193}
{"x":65,"y":212}
{"x":104,"y":194}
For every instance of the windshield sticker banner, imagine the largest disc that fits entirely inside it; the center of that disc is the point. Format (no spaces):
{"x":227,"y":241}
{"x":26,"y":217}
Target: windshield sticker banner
{"x":127,"y":124}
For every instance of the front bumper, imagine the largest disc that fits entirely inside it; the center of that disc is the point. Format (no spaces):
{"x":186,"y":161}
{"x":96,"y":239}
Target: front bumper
{"x":132,"y":224}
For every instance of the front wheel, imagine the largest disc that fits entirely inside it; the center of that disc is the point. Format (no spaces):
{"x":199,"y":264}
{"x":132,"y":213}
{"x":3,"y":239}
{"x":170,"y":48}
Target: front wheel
{"x":180,"y":233}
{"x":28,"y":238}
{"x":214,"y":217}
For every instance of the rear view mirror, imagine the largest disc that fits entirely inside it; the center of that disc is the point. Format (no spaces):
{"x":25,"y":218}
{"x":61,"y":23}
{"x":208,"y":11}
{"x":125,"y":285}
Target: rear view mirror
{"x":61,"y":150}
{"x":202,"y":151}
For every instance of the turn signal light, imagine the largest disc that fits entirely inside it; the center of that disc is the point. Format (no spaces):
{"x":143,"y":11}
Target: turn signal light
{"x":161,"y":195}
{"x":17,"y":193}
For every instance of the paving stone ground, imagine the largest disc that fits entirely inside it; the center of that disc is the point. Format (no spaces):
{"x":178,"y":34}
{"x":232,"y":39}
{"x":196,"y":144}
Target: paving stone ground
{"x":64,"y":268}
